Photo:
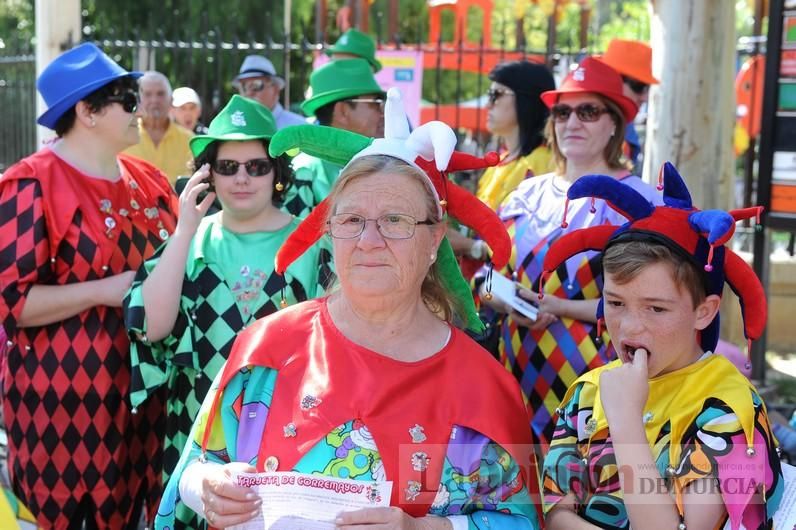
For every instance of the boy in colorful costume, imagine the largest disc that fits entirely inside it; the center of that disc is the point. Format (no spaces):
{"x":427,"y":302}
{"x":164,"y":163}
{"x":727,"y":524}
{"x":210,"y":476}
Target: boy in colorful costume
{"x":360,"y":431}
{"x":704,"y":423}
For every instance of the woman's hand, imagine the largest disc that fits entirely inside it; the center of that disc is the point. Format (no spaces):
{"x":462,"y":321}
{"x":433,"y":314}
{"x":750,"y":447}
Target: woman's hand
{"x":191,"y":212}
{"x":225,"y":503}
{"x":544,"y":317}
{"x":624,"y":389}
{"x":390,"y":518}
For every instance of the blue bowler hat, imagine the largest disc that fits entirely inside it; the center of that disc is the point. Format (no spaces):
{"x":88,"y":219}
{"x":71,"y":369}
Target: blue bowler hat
{"x":74,"y":75}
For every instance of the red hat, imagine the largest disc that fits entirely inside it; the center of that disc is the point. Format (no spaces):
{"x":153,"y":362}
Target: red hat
{"x":595,"y":77}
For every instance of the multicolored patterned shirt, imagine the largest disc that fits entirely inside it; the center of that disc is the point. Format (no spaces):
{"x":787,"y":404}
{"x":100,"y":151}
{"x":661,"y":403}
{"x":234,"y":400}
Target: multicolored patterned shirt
{"x":703,"y":420}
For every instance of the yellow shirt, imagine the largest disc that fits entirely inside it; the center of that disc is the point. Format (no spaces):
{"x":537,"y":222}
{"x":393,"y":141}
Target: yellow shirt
{"x":171,"y":155}
{"x":497,"y":182}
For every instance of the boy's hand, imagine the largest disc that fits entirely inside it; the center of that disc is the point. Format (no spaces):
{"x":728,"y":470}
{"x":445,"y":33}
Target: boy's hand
{"x":624,"y":389}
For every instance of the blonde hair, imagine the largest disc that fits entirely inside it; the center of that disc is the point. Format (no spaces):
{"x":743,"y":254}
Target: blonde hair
{"x":613,"y":152}
{"x":433,"y":291}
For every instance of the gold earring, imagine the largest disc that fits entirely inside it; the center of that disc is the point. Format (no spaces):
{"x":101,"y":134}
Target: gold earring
{"x":279,"y":186}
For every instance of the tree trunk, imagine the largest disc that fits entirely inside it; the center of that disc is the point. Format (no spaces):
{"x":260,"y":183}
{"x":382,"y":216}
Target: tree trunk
{"x":692,"y":111}
{"x":57,"y":30}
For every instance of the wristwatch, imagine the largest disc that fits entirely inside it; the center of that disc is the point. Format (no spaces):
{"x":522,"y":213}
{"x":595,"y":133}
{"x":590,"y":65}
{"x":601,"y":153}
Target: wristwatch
{"x":478,"y":250}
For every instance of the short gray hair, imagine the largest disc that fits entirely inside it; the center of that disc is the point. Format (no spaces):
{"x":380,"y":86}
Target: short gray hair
{"x":153,"y":75}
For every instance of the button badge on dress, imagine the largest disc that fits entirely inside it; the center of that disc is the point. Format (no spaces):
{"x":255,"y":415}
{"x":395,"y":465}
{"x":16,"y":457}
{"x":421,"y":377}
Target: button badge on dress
{"x":420,"y":461}
{"x":309,"y":401}
{"x":271,"y":464}
{"x":412,"y":490}
{"x":417,"y":434}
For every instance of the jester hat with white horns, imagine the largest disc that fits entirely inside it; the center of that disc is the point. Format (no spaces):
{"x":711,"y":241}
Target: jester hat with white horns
{"x":697,"y":235}
{"x":429,"y":148}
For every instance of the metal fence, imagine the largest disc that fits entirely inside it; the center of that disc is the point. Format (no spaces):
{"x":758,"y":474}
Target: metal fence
{"x":17,"y":102}
{"x":208,"y":58}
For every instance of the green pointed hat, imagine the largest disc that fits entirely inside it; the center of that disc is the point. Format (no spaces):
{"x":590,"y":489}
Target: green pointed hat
{"x":338,"y":80}
{"x":240,"y":120}
{"x":356,"y":43}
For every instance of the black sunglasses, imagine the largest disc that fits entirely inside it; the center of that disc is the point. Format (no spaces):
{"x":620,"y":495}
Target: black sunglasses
{"x":635,"y":85}
{"x":586,"y":112}
{"x":256,"y":167}
{"x":494,"y":94}
{"x":128,"y":100}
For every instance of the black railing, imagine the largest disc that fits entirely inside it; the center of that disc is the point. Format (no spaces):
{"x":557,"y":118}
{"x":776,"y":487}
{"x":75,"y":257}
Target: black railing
{"x":18,"y":102}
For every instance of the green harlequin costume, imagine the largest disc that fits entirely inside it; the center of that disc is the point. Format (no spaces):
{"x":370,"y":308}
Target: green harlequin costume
{"x":229,"y":282}
{"x":313,"y":180}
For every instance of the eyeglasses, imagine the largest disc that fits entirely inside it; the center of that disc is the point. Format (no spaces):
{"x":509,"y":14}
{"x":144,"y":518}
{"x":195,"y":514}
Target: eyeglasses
{"x":494,"y":94}
{"x":586,"y":112}
{"x":256,"y":167}
{"x":389,"y":225}
{"x":376,"y":101}
{"x":128,"y":100}
{"x":253,"y":87}
{"x":635,"y":85}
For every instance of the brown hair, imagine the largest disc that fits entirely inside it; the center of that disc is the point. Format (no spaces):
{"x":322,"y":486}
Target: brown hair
{"x":613,"y":153}
{"x":433,"y":291}
{"x":626,"y":259}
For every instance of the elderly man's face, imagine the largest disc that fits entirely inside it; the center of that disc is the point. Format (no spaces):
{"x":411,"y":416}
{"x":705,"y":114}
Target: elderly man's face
{"x":264,"y":89}
{"x":155,"y":98}
{"x":374,"y":265}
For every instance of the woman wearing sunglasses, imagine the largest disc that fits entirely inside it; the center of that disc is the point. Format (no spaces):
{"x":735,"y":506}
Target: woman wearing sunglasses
{"x":216,"y":275}
{"x":78,"y":219}
{"x":517,"y":117}
{"x":585,"y":131}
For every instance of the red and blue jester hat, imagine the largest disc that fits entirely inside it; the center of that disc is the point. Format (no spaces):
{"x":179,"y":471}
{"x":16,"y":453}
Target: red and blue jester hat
{"x":699,"y":235}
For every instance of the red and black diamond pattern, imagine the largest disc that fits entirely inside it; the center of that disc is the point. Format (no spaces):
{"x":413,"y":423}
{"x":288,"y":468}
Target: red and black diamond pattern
{"x":74,"y":440}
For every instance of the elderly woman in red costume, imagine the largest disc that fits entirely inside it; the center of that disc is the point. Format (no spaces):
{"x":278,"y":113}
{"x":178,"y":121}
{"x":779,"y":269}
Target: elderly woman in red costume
{"x":78,"y":218}
{"x":373,"y":383}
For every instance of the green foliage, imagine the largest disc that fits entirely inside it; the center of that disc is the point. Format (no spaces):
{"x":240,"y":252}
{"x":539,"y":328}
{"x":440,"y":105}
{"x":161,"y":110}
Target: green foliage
{"x":16,"y":24}
{"x":629,"y":19}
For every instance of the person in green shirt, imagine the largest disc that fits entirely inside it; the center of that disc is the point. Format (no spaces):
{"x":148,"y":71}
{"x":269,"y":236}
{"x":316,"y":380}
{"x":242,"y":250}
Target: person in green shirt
{"x":345,"y":95}
{"x":215,"y":276}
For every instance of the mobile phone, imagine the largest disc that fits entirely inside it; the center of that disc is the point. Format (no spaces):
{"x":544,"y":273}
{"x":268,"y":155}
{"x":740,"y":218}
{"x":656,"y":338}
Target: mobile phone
{"x":210,"y":181}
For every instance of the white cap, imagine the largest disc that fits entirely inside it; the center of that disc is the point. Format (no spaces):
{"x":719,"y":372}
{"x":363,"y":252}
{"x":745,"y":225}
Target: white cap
{"x":184,"y":95}
{"x":257,"y":66}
